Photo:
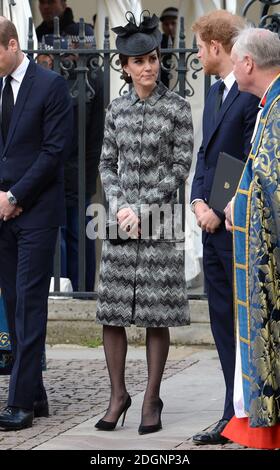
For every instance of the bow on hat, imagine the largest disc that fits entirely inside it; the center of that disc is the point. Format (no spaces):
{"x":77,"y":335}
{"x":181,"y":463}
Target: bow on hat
{"x":148,"y":25}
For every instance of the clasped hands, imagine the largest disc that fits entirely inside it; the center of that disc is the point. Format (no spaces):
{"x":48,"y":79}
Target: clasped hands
{"x":206,"y":218}
{"x":7,"y":210}
{"x":129,"y":222}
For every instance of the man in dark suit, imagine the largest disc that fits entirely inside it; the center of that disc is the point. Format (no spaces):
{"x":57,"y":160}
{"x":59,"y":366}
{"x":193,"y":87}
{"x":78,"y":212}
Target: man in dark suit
{"x":94,"y":127}
{"x":36,"y":123}
{"x":49,"y":9}
{"x":228,"y":123}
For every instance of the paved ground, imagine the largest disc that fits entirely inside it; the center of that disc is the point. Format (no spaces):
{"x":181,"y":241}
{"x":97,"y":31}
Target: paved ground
{"x":78,"y":390}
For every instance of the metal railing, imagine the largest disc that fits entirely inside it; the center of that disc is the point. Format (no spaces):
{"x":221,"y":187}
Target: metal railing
{"x":268,"y":21}
{"x":182,"y":67}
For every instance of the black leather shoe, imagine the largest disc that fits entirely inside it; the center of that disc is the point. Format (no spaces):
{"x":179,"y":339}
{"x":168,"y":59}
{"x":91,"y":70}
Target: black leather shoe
{"x":41,"y":409}
{"x":103,"y":425}
{"x":212,"y":437}
{"x":14,"y":419}
{"x":147,"y":429}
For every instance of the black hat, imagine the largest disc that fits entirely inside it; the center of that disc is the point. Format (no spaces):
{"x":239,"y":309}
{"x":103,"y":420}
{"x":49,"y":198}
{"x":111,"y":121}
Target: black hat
{"x":133,"y":40}
{"x":170,"y":12}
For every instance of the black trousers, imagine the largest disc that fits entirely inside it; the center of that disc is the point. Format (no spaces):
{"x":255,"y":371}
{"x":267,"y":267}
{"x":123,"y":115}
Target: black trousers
{"x":25,"y":271}
{"x":217,"y":264}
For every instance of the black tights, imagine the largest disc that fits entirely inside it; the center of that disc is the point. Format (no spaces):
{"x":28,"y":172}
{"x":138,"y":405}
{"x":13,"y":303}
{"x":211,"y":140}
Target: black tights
{"x":115,"y":347}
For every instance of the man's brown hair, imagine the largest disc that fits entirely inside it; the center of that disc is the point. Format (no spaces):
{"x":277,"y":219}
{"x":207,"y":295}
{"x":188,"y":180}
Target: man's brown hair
{"x":219,"y":25}
{"x":7,"y":32}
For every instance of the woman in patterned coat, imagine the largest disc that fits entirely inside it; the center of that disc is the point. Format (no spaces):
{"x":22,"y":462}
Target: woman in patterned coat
{"x":146,"y":155}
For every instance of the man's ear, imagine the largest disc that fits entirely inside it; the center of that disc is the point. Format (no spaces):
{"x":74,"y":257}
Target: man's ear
{"x":249,"y":64}
{"x":13,"y":44}
{"x":215,"y":46}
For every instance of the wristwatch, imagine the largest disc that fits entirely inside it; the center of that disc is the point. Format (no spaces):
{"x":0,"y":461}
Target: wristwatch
{"x":11,"y":198}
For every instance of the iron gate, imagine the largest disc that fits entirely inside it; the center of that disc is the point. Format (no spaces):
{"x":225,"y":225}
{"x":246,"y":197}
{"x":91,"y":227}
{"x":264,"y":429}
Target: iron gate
{"x":182,"y":67}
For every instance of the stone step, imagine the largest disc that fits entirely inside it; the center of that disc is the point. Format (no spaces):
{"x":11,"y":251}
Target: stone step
{"x":73,"y":321}
{"x":76,"y":309}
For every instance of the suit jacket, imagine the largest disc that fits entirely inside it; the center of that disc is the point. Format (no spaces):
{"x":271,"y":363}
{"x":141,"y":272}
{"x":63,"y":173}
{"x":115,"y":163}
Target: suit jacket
{"x":231,"y":132}
{"x":31,"y":161}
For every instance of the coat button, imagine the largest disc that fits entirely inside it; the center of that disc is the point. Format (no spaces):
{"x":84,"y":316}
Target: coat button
{"x":4,"y":159}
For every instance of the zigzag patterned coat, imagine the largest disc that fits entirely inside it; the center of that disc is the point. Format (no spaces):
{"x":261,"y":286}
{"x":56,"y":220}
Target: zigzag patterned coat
{"x":146,"y":155}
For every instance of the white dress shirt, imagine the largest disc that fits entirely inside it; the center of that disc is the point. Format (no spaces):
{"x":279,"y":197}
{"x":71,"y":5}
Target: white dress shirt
{"x":229,"y":82}
{"x":17,"y":77}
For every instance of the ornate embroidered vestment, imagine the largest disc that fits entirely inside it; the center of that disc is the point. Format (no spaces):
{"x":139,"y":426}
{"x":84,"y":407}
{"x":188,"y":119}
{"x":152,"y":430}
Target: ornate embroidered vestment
{"x":256,"y":235}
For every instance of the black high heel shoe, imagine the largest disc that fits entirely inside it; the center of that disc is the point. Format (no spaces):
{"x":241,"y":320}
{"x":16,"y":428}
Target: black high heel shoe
{"x":110,"y":425}
{"x":152,"y":427}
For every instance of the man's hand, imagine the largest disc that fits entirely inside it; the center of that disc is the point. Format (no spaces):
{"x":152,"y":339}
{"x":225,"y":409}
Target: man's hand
{"x":228,"y":221}
{"x":199,"y":208}
{"x":129,"y":222}
{"x":205,"y":217}
{"x":17,"y":211}
{"x":7,"y":210}
{"x":208,"y":221}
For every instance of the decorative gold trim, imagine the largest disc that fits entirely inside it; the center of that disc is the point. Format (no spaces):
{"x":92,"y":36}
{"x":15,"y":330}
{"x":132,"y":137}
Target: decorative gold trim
{"x":248,"y":214}
{"x":243,"y":191}
{"x":241,"y":302}
{"x":240,"y":266}
{"x":235,"y":308}
{"x":239,"y":229}
{"x":246,"y":377}
{"x":4,"y":339}
{"x":246,"y":231}
{"x":245,"y":340}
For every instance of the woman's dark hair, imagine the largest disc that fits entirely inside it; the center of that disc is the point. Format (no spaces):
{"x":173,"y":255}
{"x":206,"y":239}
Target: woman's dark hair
{"x":124,"y":61}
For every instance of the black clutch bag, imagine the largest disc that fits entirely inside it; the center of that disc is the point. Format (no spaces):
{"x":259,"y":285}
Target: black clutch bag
{"x":227,"y":175}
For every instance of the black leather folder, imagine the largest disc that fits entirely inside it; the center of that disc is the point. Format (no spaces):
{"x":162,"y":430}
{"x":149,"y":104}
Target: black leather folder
{"x":227,"y":175}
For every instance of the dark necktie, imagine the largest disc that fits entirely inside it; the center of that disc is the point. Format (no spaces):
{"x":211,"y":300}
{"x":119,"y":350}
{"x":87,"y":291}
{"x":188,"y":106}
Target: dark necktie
{"x":7,"y":107}
{"x":219,"y":98}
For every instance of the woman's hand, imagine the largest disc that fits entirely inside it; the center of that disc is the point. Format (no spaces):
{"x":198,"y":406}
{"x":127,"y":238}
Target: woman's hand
{"x":228,"y":221}
{"x":129,"y":222}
